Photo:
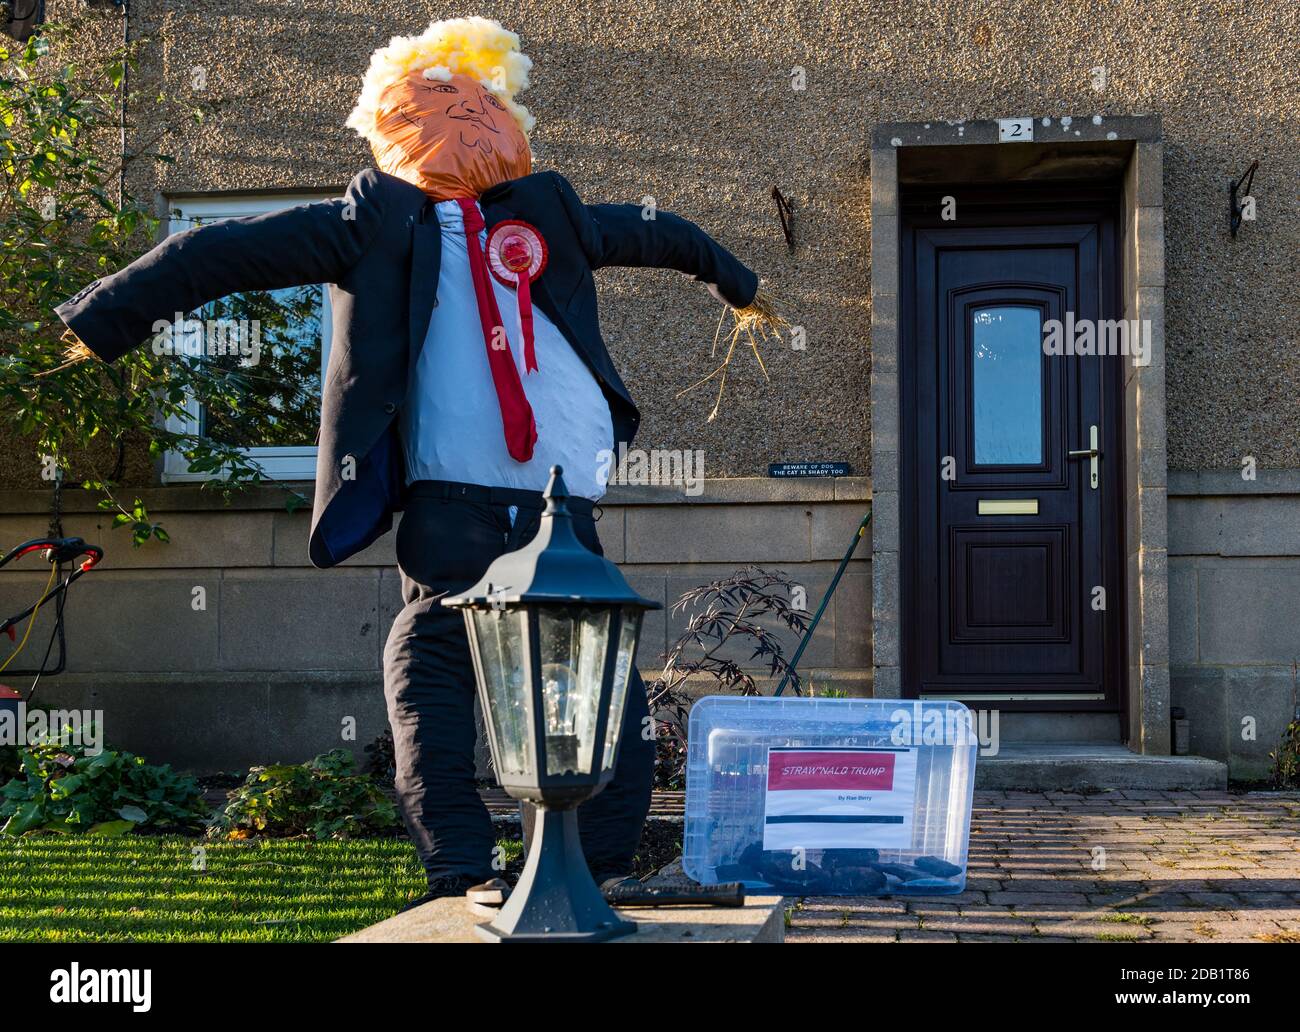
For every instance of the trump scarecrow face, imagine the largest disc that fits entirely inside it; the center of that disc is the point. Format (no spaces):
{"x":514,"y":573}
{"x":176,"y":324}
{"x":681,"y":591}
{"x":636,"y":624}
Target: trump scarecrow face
{"x":450,"y":135}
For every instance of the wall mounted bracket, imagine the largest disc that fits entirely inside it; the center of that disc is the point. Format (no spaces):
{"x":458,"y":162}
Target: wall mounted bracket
{"x":786,"y":214}
{"x":1235,"y":207}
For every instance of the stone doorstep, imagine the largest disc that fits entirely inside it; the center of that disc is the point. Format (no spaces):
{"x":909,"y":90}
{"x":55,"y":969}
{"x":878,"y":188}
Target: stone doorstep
{"x":1063,"y":767}
{"x":761,"y":919}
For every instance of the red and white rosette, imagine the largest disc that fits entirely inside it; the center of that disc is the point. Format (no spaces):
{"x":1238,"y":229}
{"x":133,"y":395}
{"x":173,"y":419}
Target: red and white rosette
{"x":516,"y":254}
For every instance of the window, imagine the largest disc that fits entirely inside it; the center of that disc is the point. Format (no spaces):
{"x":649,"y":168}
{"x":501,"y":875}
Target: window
{"x":288,"y":334}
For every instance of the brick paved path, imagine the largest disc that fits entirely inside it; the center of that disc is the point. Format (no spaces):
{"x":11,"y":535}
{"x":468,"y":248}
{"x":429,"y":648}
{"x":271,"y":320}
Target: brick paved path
{"x":1176,"y":867}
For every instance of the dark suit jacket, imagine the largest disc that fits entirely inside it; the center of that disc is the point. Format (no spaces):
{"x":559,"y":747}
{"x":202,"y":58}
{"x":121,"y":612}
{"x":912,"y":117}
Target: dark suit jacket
{"x":379,"y":247}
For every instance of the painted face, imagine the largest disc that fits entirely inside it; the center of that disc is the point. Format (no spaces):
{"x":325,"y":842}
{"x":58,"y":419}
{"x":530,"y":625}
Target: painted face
{"x":451,"y":139}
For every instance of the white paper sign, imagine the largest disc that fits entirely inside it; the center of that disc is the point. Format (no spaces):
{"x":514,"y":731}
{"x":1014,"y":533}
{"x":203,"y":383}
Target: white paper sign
{"x":839,"y":798}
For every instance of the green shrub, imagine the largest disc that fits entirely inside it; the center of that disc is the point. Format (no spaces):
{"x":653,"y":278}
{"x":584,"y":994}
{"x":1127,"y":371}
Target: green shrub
{"x":67,"y":219}
{"x":324,"y":798}
{"x":1286,"y":758}
{"x":9,"y":764}
{"x":59,"y":788}
{"x":381,"y":758}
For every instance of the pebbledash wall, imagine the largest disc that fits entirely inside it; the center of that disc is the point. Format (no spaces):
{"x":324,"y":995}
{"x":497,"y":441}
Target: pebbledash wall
{"x":704,"y":107}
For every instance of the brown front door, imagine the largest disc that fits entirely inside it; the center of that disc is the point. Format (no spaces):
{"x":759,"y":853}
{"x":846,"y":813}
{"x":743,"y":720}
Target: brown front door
{"x":1011,"y":562}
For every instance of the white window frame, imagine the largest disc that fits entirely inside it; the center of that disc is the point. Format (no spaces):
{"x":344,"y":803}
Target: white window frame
{"x":297,"y":462}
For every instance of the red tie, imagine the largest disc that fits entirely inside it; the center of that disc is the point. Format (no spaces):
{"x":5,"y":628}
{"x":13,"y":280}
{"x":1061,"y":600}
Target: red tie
{"x":516,"y":414}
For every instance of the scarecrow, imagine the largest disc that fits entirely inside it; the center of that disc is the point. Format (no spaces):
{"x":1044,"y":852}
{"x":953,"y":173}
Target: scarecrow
{"x":466,"y":360}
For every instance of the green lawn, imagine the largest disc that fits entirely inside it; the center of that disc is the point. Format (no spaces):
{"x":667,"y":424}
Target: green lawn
{"x":83,"y":889}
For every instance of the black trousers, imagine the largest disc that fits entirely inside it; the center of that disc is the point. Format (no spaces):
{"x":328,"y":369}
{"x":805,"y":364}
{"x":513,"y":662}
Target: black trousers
{"x":446,"y":540}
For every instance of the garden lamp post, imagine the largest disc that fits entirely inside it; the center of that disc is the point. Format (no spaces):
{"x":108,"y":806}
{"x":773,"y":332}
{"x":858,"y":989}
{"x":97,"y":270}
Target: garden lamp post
{"x":553,"y":630}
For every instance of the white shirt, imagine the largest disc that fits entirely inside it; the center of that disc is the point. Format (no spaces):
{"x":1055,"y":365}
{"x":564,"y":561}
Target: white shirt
{"x":451,"y":423}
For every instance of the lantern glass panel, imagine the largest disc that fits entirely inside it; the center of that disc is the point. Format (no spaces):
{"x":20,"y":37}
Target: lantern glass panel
{"x":504,"y":660}
{"x":627,"y":636}
{"x":573,"y":642}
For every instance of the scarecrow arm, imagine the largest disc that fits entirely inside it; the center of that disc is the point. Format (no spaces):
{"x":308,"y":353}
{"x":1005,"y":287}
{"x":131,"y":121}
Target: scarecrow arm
{"x":310,"y":243}
{"x":621,"y":234}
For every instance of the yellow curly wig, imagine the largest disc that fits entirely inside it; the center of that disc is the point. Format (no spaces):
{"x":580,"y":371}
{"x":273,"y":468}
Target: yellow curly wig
{"x":481,"y":48}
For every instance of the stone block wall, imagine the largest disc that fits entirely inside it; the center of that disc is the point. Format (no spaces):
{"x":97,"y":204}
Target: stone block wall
{"x":1234,"y":611}
{"x":226,"y":648}
{"x":283,"y":653}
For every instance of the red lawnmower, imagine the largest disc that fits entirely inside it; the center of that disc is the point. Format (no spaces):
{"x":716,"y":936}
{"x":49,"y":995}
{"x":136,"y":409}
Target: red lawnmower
{"x":59,"y":553}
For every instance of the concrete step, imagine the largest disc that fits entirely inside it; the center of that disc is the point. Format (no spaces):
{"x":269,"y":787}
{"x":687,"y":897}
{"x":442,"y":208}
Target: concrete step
{"x":1072,"y":728}
{"x":761,"y":919}
{"x":1090,"y":766}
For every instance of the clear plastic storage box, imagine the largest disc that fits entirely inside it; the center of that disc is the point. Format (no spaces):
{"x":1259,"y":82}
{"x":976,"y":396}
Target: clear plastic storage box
{"x":830,"y":796}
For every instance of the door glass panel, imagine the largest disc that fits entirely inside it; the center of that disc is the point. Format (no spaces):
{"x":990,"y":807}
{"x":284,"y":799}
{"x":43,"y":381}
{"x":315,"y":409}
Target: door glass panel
{"x":1007,"y":386}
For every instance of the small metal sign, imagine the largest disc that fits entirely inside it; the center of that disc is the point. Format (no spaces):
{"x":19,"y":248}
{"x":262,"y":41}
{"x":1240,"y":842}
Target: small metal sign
{"x":808,"y":469}
{"x":1015,"y":130}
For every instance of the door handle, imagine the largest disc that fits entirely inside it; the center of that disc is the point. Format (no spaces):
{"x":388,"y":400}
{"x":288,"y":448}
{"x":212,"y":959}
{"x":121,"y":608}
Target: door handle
{"x":1092,"y":453}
